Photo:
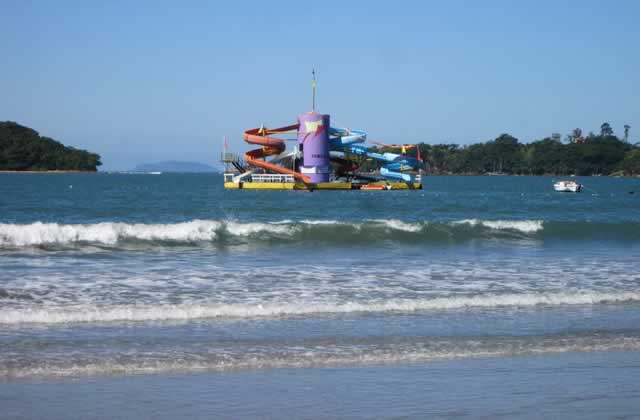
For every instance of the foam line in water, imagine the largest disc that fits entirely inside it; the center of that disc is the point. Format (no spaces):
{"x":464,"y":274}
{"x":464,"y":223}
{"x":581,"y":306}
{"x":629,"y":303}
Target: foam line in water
{"x":429,"y":350}
{"x":524,"y":226}
{"x":331,"y":231}
{"x":180,"y":312}
{"x":399,"y":225}
{"x":104,"y":233}
{"x":110,"y":233}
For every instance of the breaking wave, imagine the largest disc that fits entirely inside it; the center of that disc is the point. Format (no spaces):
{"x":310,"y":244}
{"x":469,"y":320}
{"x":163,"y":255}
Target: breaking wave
{"x":182,"y":312}
{"x":222,"y":232}
{"x":524,"y":226}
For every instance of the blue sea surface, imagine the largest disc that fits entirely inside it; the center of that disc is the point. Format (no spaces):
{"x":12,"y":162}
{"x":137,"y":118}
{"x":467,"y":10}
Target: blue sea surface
{"x":116,"y":283}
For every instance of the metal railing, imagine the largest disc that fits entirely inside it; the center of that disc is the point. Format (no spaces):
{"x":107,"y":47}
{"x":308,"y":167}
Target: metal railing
{"x":272,"y":178}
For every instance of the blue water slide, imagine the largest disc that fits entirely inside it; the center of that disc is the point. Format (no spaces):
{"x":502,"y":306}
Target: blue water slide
{"x":344,"y":137}
{"x":351,"y":141}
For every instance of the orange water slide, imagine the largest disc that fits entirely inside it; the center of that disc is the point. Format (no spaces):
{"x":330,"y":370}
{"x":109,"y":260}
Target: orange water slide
{"x":270,"y":146}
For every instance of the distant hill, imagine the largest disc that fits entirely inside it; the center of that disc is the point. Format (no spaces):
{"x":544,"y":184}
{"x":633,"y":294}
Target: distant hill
{"x":23,"y":149}
{"x":174,"y":166}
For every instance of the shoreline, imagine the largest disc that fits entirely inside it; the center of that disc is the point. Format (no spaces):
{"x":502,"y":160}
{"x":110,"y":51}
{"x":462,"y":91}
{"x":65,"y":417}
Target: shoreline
{"x":437,"y":389}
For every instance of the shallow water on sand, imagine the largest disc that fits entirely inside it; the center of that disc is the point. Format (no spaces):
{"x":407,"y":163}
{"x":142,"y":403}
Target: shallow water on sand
{"x":567,"y":385}
{"x":107,"y":276}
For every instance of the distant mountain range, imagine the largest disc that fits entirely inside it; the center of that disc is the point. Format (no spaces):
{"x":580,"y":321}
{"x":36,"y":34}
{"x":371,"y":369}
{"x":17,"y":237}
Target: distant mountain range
{"x":174,"y":166}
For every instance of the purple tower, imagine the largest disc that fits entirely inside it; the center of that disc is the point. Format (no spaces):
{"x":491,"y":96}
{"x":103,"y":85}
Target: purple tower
{"x":313,"y":140}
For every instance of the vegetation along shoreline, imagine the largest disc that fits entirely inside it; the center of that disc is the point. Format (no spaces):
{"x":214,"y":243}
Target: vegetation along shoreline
{"x":23,"y":150}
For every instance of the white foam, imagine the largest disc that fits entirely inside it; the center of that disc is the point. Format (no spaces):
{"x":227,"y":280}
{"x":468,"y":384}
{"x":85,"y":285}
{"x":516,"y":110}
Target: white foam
{"x":110,"y":233}
{"x":166,"y":312}
{"x":320,"y":222}
{"x":321,"y":356}
{"x":399,"y":225}
{"x":107,"y":233}
{"x":246,"y":229}
{"x":525,"y":226}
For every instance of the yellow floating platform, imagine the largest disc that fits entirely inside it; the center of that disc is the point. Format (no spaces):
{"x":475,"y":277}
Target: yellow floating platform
{"x":399,"y":185}
{"x":319,"y":186}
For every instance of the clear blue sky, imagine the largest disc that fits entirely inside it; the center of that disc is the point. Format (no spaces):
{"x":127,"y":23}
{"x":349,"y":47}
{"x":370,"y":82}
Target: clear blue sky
{"x":149,"y":81}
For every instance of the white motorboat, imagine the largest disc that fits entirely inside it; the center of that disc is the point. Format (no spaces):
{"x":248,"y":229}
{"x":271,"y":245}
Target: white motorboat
{"x":567,"y":186}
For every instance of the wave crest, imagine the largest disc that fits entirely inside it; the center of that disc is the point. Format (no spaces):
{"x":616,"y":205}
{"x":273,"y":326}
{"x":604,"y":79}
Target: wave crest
{"x":223,"y":232}
{"x":112,"y":233}
{"x":524,"y":226}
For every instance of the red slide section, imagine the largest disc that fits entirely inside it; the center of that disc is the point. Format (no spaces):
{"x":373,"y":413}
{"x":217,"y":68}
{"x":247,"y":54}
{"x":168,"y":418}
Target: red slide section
{"x":270,"y":146}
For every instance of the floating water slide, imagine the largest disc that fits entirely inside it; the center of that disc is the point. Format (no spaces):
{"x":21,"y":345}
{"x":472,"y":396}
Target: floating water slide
{"x":270,"y":146}
{"x":343,"y":140}
{"x":350,"y":141}
{"x":277,"y":159}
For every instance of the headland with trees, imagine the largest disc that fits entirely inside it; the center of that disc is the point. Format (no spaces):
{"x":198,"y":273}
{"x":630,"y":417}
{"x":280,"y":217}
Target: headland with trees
{"x":22,"y":149}
{"x":593,"y":154}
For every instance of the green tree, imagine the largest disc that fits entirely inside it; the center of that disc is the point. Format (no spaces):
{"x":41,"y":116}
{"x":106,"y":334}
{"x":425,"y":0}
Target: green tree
{"x":631,"y":163}
{"x":594,"y":154}
{"x":549,"y":157}
{"x":23,"y":149}
{"x":606,"y":130}
{"x":626,"y":132}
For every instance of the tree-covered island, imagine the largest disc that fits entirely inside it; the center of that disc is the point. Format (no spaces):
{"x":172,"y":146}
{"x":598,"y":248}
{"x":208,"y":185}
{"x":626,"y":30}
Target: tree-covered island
{"x":23,"y":149}
{"x":593,"y":154}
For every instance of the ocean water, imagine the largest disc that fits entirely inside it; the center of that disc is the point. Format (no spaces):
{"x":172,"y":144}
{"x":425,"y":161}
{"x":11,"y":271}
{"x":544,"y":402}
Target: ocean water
{"x":113,"y":282}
